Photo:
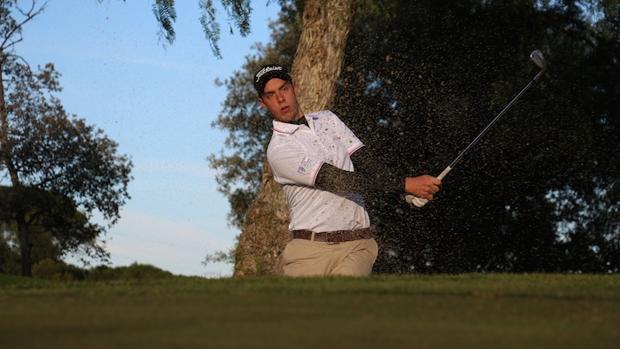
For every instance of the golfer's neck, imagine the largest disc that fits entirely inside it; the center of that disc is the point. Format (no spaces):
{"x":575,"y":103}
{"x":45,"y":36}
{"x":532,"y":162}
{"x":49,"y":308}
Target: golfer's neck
{"x":300,"y":114}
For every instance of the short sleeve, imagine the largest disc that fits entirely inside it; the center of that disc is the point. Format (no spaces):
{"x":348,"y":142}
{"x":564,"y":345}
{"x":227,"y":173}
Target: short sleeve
{"x":292,"y":165}
{"x":347,"y":137}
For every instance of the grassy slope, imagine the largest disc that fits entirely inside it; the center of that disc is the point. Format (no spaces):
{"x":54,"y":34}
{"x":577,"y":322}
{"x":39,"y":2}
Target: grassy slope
{"x":492,"y":311}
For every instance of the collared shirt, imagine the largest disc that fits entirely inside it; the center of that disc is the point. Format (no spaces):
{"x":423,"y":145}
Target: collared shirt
{"x":296,"y":154}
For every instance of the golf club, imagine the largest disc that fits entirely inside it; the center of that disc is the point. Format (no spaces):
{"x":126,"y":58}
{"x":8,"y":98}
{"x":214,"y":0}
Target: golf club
{"x":537,"y":57}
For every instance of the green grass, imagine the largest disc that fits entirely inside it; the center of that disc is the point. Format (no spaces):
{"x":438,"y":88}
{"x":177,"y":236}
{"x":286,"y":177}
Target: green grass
{"x":473,"y":310}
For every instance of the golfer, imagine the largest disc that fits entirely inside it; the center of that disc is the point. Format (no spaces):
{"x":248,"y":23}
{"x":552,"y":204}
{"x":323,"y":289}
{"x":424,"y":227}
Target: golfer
{"x":325,"y":172}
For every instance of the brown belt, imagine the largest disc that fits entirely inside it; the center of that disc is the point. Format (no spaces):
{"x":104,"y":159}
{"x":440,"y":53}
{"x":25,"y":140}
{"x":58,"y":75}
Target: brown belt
{"x":334,"y":236}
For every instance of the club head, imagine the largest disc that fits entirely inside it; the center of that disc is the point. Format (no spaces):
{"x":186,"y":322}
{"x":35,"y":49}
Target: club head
{"x":537,"y":57}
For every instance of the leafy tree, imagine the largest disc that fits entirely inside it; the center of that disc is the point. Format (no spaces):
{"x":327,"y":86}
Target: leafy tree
{"x":60,"y":170}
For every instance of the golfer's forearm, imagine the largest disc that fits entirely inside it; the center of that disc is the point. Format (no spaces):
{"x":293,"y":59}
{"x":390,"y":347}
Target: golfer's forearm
{"x":335,"y":180}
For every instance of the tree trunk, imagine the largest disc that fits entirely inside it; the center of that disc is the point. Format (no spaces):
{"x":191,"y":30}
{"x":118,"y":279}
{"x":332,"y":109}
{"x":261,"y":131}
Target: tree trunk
{"x":316,"y":68}
{"x":5,"y":146}
{"x":7,"y":162}
{"x":25,"y":246}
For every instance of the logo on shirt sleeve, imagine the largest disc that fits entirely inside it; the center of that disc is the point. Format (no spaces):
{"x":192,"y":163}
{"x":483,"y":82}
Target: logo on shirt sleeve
{"x":305,"y":166}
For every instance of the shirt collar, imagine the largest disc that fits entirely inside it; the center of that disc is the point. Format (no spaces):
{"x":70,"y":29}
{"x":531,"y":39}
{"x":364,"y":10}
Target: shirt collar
{"x":286,"y":127}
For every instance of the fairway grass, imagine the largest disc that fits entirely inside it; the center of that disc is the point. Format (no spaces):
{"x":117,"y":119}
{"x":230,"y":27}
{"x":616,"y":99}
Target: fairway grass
{"x":419,"y":311}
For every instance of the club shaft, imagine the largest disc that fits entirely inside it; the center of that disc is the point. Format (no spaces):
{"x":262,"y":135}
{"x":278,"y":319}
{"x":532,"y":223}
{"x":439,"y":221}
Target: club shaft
{"x":538,"y":59}
{"x":486,"y":129}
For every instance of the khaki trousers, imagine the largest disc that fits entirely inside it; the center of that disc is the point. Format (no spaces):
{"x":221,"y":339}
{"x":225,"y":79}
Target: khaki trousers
{"x":313,"y":258}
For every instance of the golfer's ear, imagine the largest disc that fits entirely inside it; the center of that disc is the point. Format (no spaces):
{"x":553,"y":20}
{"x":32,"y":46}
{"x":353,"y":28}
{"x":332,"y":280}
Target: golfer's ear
{"x":260,"y":101}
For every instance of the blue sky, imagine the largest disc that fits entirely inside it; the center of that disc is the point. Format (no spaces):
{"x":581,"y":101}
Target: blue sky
{"x":158,"y":103}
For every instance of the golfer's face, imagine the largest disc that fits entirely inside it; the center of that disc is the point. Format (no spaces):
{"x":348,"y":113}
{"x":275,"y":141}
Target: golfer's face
{"x":279,"y":98}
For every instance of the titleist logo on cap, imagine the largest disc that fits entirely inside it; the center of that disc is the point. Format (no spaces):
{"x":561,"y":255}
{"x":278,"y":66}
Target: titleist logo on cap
{"x":265,"y":71}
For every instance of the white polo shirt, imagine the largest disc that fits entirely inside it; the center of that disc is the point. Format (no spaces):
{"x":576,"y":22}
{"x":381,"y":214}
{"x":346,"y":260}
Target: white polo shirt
{"x":296,"y":153}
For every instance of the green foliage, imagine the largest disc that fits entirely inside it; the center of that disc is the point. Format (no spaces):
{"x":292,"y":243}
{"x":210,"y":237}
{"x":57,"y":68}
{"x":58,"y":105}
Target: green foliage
{"x":135,"y":271}
{"x":57,"y":226}
{"x":220,"y":257}
{"x":15,"y":282}
{"x":210,"y":26}
{"x":165,"y":15}
{"x":48,"y":269}
{"x":57,"y":231}
{"x":9,"y":258}
{"x":238,"y":12}
{"x":57,"y":270}
{"x":51,"y":268}
{"x":59,"y":153}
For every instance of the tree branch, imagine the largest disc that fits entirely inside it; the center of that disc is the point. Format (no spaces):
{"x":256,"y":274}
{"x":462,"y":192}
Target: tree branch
{"x":34,"y":216}
{"x":47,"y":180}
{"x":25,"y":14}
{"x":29,"y":16}
{"x":12,"y":43}
{"x":22,"y":59}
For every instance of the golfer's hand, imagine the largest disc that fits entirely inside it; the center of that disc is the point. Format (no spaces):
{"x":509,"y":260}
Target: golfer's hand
{"x":424,"y":186}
